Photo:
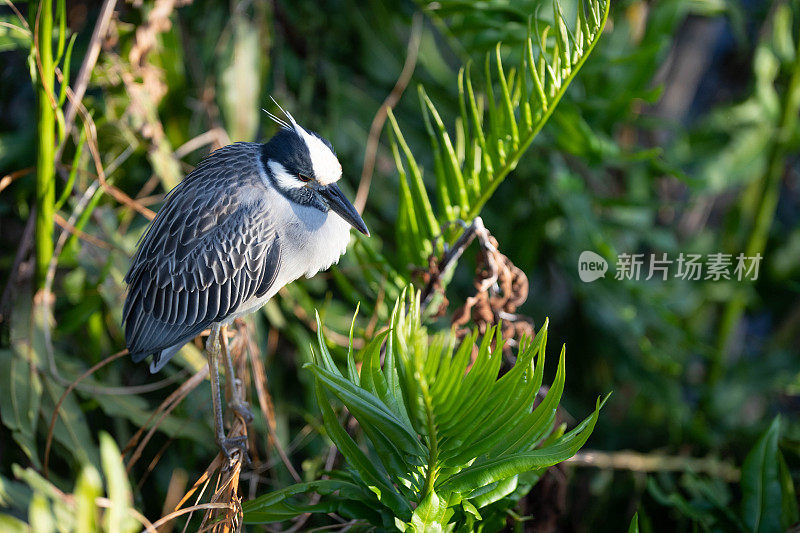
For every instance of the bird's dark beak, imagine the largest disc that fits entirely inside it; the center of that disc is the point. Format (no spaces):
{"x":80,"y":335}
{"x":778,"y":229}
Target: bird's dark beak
{"x":342,"y":206}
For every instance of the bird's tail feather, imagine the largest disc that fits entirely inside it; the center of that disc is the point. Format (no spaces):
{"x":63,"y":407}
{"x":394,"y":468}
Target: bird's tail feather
{"x":162,"y":358}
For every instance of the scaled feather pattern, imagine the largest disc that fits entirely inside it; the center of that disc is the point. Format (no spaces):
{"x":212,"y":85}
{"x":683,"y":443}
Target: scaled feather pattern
{"x":212,"y":247}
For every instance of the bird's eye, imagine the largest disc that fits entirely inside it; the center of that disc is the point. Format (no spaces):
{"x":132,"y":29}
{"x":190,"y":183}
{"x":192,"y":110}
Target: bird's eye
{"x":303,"y":178}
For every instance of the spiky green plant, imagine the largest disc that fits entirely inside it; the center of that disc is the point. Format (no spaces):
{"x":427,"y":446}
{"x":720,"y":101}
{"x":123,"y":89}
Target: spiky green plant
{"x":446,"y":434}
{"x":494,"y":129}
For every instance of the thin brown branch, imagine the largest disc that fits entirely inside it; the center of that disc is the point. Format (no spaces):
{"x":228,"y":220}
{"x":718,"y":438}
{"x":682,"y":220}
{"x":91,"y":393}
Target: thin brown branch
{"x":654,"y":462}
{"x":24,"y":31}
{"x":451,"y":256}
{"x":157,"y":458}
{"x":66,"y":226}
{"x":380,"y":117}
{"x":265,"y":402}
{"x":60,"y":401}
{"x":175,"y":514}
{"x":117,"y":194}
{"x":166,"y":407}
{"x":24,"y":22}
{"x":177,"y":484}
{"x":6,"y":180}
{"x":214,"y":135}
{"x":91,"y":141}
{"x":89,"y":61}
{"x":108,"y":504}
{"x":44,"y":301}
{"x":203,"y":479}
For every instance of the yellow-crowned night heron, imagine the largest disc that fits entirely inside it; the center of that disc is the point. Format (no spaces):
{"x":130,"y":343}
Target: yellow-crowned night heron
{"x":248,"y":220}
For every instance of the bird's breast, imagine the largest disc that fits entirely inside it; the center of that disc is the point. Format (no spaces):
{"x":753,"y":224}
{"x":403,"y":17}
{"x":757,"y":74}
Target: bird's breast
{"x":312,"y":241}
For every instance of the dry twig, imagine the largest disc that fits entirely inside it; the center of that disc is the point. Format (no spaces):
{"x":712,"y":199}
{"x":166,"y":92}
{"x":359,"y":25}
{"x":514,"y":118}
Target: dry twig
{"x":89,"y":61}
{"x":60,"y":401}
{"x":265,"y":402}
{"x":8,"y":179}
{"x":66,"y":226}
{"x":654,"y":462}
{"x":166,"y":407}
{"x":380,"y":117}
{"x":500,"y":286}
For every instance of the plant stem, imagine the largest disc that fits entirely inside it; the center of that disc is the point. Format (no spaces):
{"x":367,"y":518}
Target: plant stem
{"x":45,"y":160}
{"x":433,"y":449}
{"x":757,"y":241}
{"x":433,"y":442}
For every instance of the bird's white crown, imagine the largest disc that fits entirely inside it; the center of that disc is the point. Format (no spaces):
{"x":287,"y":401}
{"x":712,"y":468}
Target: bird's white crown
{"x":327,"y":168}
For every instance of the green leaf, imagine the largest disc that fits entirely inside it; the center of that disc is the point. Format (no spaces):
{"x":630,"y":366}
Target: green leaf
{"x":512,"y":396}
{"x":488,"y":472}
{"x":117,"y":518}
{"x":790,"y":514}
{"x":499,"y":489}
{"x":352,"y":372}
{"x":71,"y":429}
{"x":634,"y":527}
{"x":471,"y":509}
{"x":281,"y":505}
{"x":421,"y":204}
{"x":442,"y":436}
{"x":429,"y":516}
{"x":761,"y":485}
{"x":87,"y":489}
{"x":20,"y":396}
{"x":53,"y":503}
{"x":40,"y":515}
{"x":12,"y":35}
{"x":367,"y":470}
{"x":325,"y":355}
{"x":368,"y":409}
{"x":10,"y":524}
{"x":14,"y":494}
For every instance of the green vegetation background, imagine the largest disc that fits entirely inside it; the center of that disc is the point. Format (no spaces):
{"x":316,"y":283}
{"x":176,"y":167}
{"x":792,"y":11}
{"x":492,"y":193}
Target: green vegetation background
{"x":678,"y":135}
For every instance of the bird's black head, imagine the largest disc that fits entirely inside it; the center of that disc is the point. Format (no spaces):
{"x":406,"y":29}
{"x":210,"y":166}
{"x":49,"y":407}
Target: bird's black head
{"x":303,"y":167}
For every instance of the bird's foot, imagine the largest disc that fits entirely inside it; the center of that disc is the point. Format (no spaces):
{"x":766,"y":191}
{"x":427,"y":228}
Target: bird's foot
{"x":242,"y":409}
{"x":238,"y":403}
{"x":231,"y":445}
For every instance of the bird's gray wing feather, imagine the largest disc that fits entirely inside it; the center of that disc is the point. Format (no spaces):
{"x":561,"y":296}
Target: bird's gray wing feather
{"x":212,"y":247}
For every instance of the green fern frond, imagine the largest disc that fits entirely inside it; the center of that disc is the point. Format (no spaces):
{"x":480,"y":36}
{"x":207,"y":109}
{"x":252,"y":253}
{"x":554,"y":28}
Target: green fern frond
{"x":446,"y":434}
{"x":493,"y":130}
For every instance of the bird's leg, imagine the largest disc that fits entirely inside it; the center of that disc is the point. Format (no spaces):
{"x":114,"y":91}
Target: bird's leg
{"x":237,"y":402}
{"x":212,"y":351}
{"x":227,"y":445}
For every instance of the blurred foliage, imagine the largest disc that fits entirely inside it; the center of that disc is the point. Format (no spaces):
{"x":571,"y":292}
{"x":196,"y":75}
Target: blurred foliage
{"x":50,"y":509}
{"x":678,"y":135}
